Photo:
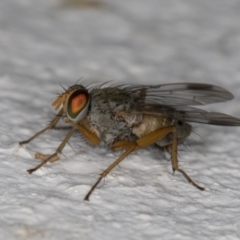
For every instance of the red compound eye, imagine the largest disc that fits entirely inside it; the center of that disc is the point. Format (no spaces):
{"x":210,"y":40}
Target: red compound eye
{"x":76,"y":103}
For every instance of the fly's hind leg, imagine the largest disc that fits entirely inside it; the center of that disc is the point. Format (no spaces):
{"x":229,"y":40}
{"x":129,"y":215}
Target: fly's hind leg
{"x":160,"y":133}
{"x":174,"y":159}
{"x":51,"y":125}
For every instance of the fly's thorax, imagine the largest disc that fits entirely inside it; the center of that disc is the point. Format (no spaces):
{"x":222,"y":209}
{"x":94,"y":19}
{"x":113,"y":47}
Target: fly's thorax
{"x":113,"y":100}
{"x":107,"y":128}
{"x":132,"y":119}
{"x":105,"y":110}
{"x":87,"y":124}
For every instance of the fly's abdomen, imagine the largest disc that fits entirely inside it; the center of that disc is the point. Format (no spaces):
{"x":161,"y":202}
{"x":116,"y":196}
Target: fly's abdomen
{"x":151,"y":123}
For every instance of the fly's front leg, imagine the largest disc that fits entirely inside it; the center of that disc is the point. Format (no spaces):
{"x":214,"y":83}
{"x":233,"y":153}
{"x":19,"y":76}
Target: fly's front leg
{"x":52,"y":125}
{"x":43,"y":157}
{"x":54,"y":155}
{"x":174,"y":159}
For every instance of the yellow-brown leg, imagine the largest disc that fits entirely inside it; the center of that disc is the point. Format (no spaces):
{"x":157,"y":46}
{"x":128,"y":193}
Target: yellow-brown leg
{"x":152,"y":137}
{"x":52,"y":124}
{"x":43,"y":157}
{"x":174,"y":159}
{"x":143,"y":142}
{"x":129,"y":146}
{"x":91,"y":137}
{"x":130,"y":149}
{"x":121,"y":145}
{"x":54,"y":155}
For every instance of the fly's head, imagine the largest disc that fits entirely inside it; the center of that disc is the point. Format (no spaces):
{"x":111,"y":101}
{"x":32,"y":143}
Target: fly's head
{"x":75,"y":101}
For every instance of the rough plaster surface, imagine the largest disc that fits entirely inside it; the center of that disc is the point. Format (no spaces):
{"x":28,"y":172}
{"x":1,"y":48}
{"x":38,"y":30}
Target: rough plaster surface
{"x":47,"y":43}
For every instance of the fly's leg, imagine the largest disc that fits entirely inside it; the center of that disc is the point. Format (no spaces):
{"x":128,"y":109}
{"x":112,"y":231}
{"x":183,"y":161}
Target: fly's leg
{"x":52,"y":125}
{"x":43,"y":157}
{"x":91,"y":137}
{"x":160,"y":133}
{"x":174,"y":159}
{"x":130,"y":149}
{"x":54,"y":155}
{"x":61,"y":127}
{"x":121,"y":145}
{"x":143,"y":142}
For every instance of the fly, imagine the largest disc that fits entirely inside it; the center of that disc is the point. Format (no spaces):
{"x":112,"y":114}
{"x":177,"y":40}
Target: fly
{"x":128,"y":118}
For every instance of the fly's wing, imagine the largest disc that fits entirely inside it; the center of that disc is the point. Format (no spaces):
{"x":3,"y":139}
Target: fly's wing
{"x":180,"y":94}
{"x":191,"y":114}
{"x":173,"y":100}
{"x":212,"y":118}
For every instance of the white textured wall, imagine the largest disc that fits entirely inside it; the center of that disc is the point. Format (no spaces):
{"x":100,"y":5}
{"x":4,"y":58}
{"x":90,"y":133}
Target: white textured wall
{"x":43,"y":45}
